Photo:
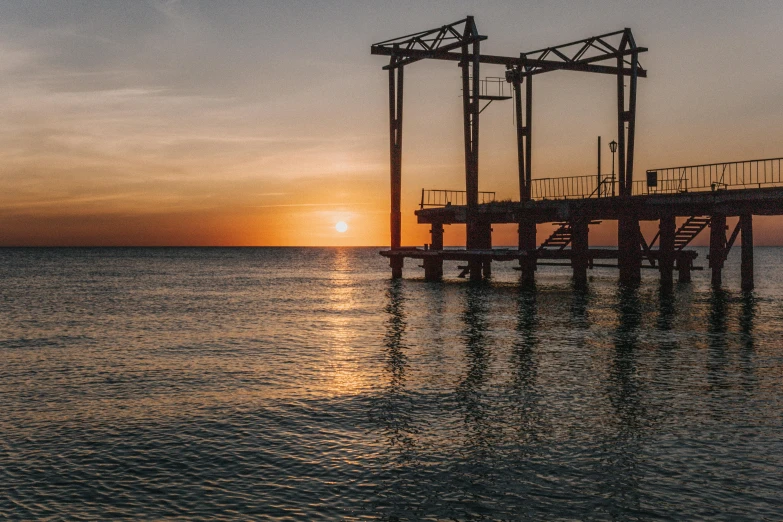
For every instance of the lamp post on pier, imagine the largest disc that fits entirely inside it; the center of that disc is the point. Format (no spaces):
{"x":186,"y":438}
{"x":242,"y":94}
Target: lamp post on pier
{"x":613,"y":148}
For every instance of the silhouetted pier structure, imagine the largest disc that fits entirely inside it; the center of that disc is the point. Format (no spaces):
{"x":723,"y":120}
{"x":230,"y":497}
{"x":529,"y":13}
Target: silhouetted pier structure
{"x":705,"y":195}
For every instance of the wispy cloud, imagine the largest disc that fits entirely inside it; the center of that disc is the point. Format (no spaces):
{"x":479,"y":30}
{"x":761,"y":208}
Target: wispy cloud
{"x":346,"y":204}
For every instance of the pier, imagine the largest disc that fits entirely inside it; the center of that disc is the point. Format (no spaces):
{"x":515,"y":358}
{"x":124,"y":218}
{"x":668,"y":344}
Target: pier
{"x":701,"y":196}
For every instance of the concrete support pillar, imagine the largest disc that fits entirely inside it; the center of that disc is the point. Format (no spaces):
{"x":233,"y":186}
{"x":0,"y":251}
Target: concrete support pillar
{"x":396,"y":264}
{"x":629,"y":249}
{"x":579,"y":250}
{"x":433,"y":265}
{"x":746,"y":269}
{"x":433,"y":268}
{"x":668,"y":229}
{"x":717,"y":247}
{"x":684,"y":265}
{"x":474,"y":268}
{"x":437,"y":236}
{"x":527,"y":243}
{"x":482,"y":241}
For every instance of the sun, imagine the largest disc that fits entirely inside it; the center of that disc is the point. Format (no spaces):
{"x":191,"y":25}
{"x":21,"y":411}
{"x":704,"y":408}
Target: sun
{"x":341,"y":226}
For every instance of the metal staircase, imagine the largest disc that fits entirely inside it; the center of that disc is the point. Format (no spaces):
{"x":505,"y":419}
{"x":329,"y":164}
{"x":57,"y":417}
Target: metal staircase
{"x":689,"y":230}
{"x":560,"y":238}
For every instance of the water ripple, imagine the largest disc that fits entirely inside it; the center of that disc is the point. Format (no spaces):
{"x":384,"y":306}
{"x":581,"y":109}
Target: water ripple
{"x":303,"y":384}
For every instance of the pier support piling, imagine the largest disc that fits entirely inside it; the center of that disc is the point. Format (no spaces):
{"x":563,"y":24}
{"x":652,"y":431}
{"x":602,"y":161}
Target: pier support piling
{"x":433,"y":268}
{"x":437,"y":236}
{"x":629,"y":249}
{"x":527,"y":243}
{"x":474,"y":269}
{"x":486,"y":268}
{"x":579,"y":250}
{"x":746,"y":268}
{"x":717,"y":254}
{"x":684,"y":266}
{"x":668,"y":231}
{"x":433,"y":265}
{"x":396,"y":264}
{"x":482,"y":241}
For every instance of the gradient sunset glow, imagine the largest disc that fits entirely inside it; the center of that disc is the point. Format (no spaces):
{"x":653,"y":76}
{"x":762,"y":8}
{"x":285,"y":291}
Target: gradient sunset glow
{"x":205,"y":123}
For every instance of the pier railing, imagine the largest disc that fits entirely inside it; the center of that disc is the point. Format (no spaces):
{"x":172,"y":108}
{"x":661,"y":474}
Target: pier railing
{"x":712,"y":176}
{"x":443,"y":198}
{"x":693,"y":178}
{"x":572,"y":187}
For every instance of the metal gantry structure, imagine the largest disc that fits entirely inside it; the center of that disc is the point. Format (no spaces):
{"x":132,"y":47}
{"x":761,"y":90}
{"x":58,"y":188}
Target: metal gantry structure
{"x":460,"y":42}
{"x":615,"y":53}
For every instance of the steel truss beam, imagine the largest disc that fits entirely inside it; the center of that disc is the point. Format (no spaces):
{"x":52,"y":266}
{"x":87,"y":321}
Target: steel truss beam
{"x":417,"y":46}
{"x":580,"y":54}
{"x":536,"y":66}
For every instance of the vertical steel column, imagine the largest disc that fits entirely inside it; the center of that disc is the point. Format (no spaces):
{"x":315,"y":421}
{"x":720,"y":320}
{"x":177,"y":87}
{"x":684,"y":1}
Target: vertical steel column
{"x":668,"y":230}
{"x":395,"y":142}
{"x":630,"y":117}
{"x":628,"y":241}
{"x":475,"y":117}
{"x":524,"y":190}
{"x":527,"y":226}
{"x":746,"y":269}
{"x":579,"y":250}
{"x":529,"y":268}
{"x":529,"y":134}
{"x":470,"y":104}
{"x":621,"y":126}
{"x":473,"y":268}
{"x":598,"y":174}
{"x":717,"y":247}
{"x":466,"y":119}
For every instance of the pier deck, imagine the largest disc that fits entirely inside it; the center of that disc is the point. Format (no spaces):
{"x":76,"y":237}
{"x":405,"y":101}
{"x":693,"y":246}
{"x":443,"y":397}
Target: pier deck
{"x":650,"y":207}
{"x":703,"y":209}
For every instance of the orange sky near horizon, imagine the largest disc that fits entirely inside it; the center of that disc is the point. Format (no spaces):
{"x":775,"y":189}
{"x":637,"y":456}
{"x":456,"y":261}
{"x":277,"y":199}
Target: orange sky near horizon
{"x":197,"y":123}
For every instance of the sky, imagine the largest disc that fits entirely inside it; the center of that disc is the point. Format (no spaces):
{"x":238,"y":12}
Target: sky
{"x":266,"y":123}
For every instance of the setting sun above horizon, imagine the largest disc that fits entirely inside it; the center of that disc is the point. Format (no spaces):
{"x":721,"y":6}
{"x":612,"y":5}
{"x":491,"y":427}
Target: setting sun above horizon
{"x":341,"y":226}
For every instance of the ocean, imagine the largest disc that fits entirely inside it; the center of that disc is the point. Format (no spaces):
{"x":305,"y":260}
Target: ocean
{"x":305,"y":384}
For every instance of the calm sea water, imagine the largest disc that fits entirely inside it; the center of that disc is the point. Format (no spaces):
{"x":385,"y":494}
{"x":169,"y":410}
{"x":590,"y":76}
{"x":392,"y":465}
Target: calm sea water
{"x":301,"y":384}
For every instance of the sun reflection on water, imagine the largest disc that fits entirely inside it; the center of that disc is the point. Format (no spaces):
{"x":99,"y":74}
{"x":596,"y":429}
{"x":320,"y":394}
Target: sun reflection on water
{"x":343,"y":368}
